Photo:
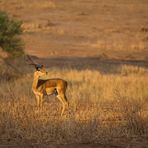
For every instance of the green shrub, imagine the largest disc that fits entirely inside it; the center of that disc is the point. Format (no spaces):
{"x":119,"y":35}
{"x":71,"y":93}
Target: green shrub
{"x":10,"y":31}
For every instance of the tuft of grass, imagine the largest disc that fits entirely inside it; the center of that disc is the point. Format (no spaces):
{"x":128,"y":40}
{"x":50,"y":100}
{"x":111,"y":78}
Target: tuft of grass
{"x":133,"y":70}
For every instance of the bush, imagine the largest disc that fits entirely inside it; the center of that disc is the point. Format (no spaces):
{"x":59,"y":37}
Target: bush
{"x":10,"y":29}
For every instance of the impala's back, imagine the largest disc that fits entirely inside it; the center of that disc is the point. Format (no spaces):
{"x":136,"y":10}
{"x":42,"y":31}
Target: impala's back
{"x":49,"y":86}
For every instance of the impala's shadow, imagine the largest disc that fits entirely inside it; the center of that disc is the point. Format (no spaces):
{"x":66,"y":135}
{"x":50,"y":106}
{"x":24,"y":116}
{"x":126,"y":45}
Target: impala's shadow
{"x":103,"y":65}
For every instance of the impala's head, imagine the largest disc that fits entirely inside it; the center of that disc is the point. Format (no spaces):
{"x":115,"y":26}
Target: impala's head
{"x":40,"y":71}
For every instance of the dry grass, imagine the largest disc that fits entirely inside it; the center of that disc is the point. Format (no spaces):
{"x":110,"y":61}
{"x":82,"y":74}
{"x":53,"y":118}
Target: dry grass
{"x":103,"y":108}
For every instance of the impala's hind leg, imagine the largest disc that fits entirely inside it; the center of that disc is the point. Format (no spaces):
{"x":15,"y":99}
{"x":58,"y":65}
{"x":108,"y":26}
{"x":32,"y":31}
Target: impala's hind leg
{"x":63,"y":104}
{"x":66,"y":101}
{"x":63,"y":100}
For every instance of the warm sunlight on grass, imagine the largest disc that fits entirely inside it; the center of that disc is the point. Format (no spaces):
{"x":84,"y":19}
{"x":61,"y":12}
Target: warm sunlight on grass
{"x":102,"y":106}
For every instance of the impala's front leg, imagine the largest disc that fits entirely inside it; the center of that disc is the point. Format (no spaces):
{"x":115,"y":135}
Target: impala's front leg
{"x":41,"y":100}
{"x":37,"y":101}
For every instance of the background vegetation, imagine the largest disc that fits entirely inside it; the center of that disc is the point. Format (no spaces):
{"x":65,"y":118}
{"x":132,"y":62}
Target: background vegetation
{"x":10,"y":31}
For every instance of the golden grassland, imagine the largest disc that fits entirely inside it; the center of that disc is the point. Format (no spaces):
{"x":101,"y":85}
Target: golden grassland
{"x":104,"y":108}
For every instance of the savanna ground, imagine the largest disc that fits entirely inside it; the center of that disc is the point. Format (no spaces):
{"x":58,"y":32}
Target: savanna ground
{"x":101,"y":48}
{"x":102,"y":28}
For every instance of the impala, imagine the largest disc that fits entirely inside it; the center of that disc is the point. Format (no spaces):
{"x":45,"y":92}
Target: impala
{"x":42,"y":87}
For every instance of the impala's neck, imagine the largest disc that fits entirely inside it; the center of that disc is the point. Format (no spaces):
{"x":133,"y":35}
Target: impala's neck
{"x":35,"y":83}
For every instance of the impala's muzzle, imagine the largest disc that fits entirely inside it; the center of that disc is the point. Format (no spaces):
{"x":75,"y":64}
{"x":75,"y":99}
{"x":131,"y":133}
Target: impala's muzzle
{"x":39,"y":67}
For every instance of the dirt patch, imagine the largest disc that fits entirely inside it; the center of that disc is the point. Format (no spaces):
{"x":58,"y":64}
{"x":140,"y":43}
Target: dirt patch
{"x":83,"y":28}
